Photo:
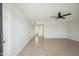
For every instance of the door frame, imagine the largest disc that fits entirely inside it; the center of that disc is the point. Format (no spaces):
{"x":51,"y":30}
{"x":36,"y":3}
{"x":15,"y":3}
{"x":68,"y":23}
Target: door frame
{"x":6,"y":30}
{"x":37,"y":24}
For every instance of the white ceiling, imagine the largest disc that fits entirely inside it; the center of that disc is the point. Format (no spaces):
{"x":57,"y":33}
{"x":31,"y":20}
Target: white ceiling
{"x":43,"y":11}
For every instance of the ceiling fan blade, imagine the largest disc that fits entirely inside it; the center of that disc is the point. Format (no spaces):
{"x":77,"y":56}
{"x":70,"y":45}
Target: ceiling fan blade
{"x":67,"y":14}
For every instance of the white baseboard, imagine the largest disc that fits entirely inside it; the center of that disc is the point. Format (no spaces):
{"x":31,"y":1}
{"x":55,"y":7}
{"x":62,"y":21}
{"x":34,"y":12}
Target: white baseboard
{"x":21,"y":48}
{"x":74,"y":39}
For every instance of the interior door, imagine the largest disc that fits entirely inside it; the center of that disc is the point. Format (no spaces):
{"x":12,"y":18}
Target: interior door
{"x":1,"y":38}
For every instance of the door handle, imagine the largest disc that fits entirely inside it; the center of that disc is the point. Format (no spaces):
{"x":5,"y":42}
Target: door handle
{"x":4,"y":41}
{"x":1,"y":35}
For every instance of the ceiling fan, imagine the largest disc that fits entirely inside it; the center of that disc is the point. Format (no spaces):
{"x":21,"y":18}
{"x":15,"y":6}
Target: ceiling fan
{"x":60,"y":16}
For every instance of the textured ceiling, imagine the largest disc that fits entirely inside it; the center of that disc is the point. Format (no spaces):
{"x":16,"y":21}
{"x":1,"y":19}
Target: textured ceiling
{"x":43,"y":11}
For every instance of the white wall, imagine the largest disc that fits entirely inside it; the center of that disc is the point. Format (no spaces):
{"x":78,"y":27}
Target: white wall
{"x":18,"y":29}
{"x":73,"y":28}
{"x":55,"y":29}
{"x":61,"y":29}
{"x":73,"y":31}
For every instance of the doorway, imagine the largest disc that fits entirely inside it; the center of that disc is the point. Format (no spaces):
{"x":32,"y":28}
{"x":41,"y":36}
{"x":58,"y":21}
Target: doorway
{"x":38,"y":31}
{"x":41,"y":31}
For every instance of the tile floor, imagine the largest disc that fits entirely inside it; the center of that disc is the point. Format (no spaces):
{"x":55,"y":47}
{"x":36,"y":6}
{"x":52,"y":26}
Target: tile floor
{"x":51,"y":47}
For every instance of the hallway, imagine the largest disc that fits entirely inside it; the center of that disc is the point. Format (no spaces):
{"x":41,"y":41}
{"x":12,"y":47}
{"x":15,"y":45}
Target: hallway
{"x":51,"y":47}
